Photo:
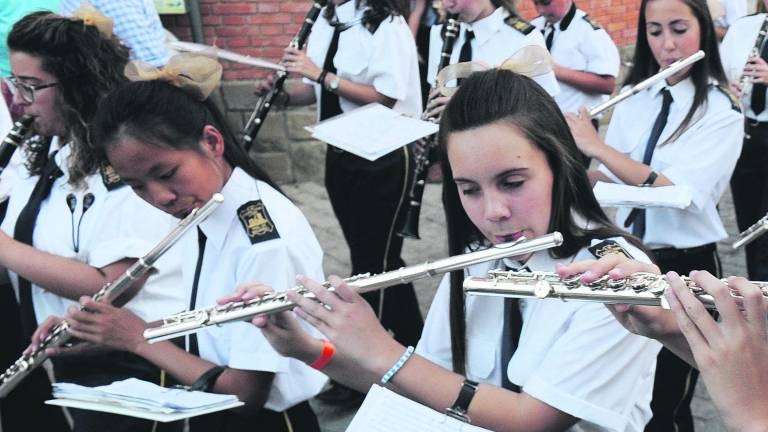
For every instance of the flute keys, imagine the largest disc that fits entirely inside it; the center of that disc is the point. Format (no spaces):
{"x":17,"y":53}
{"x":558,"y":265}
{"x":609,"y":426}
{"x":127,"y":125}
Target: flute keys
{"x":542,"y":289}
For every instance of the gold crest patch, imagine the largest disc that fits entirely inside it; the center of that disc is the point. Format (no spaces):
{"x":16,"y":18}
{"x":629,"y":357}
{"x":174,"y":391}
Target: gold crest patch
{"x":109,"y":177}
{"x":606,"y":247}
{"x":519,"y":24}
{"x":256,"y":221}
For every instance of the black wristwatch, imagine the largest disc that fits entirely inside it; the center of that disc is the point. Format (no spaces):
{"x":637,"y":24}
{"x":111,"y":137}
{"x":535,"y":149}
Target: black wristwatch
{"x":461,"y":406}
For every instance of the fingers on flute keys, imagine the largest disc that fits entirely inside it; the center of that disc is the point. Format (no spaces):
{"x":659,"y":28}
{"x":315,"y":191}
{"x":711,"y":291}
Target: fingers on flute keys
{"x":694,"y":320}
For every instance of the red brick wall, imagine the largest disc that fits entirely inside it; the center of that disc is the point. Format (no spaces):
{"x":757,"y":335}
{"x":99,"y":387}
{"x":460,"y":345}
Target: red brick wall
{"x":619,"y":17}
{"x":262,"y":28}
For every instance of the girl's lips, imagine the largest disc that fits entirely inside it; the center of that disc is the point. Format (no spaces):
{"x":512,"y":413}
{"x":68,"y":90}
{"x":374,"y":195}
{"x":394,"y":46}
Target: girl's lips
{"x":506,"y":238}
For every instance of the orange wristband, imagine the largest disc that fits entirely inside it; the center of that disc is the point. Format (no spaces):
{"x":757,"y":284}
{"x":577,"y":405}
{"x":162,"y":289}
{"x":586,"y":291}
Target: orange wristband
{"x":325,"y":355}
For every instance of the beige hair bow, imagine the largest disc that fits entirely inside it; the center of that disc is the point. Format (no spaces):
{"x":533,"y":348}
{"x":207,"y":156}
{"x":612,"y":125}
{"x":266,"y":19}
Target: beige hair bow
{"x":91,"y":16}
{"x":197,"y":74}
{"x":530,"y":60}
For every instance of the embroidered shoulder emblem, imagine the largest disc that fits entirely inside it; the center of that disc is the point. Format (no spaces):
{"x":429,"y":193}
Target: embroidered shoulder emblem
{"x":256,"y":221}
{"x":519,"y":24}
{"x":735,"y":102}
{"x":592,"y":22}
{"x":110,"y":178}
{"x":606,"y":247}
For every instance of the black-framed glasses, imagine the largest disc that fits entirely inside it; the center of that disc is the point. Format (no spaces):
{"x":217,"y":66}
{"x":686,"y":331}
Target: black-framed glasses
{"x":542,"y":2}
{"x":26,"y":91}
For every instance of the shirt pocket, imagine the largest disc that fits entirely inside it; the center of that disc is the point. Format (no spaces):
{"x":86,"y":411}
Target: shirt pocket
{"x":353,"y":54}
{"x":481,"y":357}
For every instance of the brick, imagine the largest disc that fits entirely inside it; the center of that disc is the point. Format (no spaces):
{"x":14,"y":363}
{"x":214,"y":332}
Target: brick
{"x":301,"y":7}
{"x":277,"y":18}
{"x":231,"y":9}
{"x":268,"y":7}
{"x":233,"y":19}
{"x":271,"y":29}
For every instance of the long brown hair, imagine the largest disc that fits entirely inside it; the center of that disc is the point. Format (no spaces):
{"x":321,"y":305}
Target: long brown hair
{"x":645,"y":65}
{"x":500,"y":95}
{"x":86,"y":65}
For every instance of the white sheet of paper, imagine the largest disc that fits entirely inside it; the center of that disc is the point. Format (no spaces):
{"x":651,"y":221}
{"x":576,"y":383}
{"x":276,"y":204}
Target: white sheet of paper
{"x":137,"y":412}
{"x":371,"y":131}
{"x":621,"y":195}
{"x":386,"y":411}
{"x":143,"y":399}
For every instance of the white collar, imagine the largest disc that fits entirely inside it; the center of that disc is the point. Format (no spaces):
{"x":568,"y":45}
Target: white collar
{"x":347,"y":11}
{"x":681,"y":92}
{"x":217,"y":224}
{"x":484,"y":28}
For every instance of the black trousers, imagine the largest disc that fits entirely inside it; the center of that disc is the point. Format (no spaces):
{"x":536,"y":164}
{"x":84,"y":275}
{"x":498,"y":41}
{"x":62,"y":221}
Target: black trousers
{"x":298,"y":418}
{"x":23,"y":409}
{"x":103,"y":369}
{"x":749,"y":186}
{"x":366,"y":197}
{"x":675,"y":379}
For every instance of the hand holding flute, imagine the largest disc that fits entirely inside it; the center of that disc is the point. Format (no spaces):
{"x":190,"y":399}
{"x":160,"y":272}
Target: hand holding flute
{"x":732,"y":354}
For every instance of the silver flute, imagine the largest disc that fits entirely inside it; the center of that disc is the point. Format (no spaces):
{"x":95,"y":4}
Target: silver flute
{"x":193,"y":321}
{"x":60,"y":333}
{"x":752,"y":233}
{"x":637,"y":88}
{"x":638,"y":288}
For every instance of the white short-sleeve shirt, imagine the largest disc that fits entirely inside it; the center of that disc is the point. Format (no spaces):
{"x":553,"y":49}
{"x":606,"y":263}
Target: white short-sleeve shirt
{"x":385,"y":59}
{"x":701,"y":159}
{"x":581,"y":45}
{"x":734,"y":9}
{"x":231,"y":259}
{"x":494,"y":42}
{"x":117,"y":225}
{"x":573,"y":356}
{"x":734,"y":52}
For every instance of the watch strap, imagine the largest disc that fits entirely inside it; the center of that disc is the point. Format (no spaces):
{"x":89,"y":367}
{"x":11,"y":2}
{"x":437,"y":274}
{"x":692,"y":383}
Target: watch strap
{"x":461,"y":405}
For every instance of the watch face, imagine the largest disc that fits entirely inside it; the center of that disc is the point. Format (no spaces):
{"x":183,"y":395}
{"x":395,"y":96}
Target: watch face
{"x":335,"y":83}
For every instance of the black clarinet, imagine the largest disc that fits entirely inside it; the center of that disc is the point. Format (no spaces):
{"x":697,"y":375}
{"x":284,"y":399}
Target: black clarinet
{"x":410,"y":223}
{"x":14,"y":139}
{"x":266,"y":100}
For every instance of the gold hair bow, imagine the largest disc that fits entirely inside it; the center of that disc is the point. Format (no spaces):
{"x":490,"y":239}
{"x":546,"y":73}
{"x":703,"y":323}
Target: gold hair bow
{"x":530,"y":60}
{"x":91,"y":16}
{"x":198,"y":75}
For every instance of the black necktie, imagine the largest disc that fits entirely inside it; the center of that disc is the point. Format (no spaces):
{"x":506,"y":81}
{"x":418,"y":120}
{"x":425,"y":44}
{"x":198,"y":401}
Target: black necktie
{"x":758,"y":90}
{"x":510,"y":337}
{"x":23,"y":232}
{"x":201,"y":240}
{"x":549,"y":36}
{"x":329,"y":101}
{"x":465,"y":54}
{"x":638,"y":215}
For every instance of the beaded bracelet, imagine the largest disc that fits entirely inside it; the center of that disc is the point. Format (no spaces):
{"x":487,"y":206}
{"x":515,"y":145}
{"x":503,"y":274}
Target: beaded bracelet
{"x":393,"y":370}
{"x":325,"y":355}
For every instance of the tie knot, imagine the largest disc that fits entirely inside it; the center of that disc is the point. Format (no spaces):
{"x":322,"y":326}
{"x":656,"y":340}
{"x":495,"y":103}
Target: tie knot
{"x":469,"y":34}
{"x":666,"y":97}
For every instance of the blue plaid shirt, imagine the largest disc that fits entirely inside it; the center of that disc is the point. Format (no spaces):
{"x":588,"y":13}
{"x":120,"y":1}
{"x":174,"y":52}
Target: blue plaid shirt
{"x":137,"y":25}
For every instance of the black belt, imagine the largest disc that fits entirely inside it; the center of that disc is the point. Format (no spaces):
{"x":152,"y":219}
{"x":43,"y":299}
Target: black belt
{"x":672,"y":253}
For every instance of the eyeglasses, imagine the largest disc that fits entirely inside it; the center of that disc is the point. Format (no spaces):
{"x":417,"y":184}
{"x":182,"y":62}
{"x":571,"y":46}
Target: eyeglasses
{"x":542,"y":2}
{"x":26,"y":91}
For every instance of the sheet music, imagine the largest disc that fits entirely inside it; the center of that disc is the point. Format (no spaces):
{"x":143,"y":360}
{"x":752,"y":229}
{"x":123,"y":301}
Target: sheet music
{"x":621,"y":195}
{"x":136,"y":396}
{"x":371,"y":131}
{"x":386,"y":411}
